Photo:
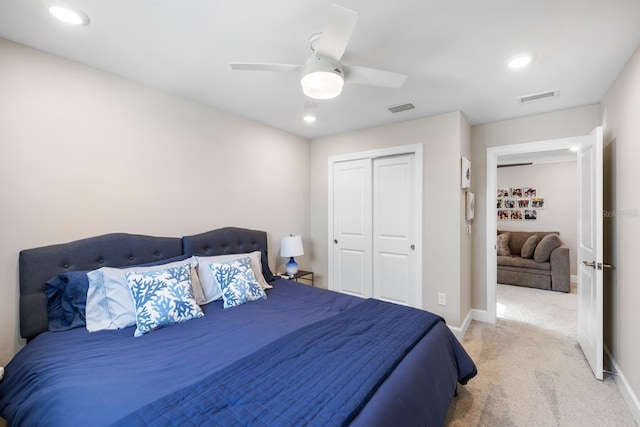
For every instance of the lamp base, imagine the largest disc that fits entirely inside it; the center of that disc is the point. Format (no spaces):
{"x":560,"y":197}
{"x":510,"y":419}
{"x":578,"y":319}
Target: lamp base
{"x":292,"y":267}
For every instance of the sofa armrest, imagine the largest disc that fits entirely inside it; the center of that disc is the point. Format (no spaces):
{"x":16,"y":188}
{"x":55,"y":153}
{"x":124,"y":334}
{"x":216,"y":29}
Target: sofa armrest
{"x":560,"y":269}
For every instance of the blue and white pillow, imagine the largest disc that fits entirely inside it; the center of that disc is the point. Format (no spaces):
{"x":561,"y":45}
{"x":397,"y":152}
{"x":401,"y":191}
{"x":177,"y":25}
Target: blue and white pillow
{"x":109,"y":301}
{"x":237,"y":282}
{"x":162,"y":298}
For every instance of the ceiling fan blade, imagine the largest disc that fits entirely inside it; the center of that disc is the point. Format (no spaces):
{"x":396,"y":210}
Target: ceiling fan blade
{"x":266,"y":67}
{"x":337,"y":32}
{"x":373,"y":77}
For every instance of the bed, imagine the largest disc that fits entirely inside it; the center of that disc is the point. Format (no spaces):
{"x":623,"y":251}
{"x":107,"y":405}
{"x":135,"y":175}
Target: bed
{"x":300,"y":356}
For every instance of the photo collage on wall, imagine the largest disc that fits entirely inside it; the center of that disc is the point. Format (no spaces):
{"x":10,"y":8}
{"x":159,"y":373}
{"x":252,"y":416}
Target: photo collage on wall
{"x":519,"y":204}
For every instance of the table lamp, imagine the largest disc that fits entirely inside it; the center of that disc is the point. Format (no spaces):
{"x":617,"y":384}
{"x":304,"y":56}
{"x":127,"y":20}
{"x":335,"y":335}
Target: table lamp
{"x":291,"y":246}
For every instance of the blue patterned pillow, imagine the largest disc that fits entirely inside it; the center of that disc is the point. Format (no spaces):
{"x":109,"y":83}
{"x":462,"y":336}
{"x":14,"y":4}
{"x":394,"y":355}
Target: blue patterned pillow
{"x":162,"y":298}
{"x":237,"y":282}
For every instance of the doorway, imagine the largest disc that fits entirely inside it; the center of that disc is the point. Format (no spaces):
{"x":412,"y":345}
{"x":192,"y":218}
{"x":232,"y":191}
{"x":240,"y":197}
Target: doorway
{"x":590,"y":263}
{"x":493,"y":154}
{"x":537,"y":193}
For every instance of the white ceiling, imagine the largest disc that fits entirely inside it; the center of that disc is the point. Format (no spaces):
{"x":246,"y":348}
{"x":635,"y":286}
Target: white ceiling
{"x":454,"y":52}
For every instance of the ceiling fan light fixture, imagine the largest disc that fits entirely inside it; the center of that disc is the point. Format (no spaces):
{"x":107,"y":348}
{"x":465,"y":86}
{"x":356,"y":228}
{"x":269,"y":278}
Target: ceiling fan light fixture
{"x":321,"y":78}
{"x":322,"y":84}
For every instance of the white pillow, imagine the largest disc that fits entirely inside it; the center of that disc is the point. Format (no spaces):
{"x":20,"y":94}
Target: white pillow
{"x":211,"y":287}
{"x":109,"y":301}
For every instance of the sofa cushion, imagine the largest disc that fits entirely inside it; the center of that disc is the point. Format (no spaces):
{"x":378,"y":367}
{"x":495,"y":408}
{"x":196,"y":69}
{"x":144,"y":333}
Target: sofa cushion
{"x":529,"y":246}
{"x":516,"y":261}
{"x":545,"y":247}
{"x":503,"y":244}
{"x":518,"y":238}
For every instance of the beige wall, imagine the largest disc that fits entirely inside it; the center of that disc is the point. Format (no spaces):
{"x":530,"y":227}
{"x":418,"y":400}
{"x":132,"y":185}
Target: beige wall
{"x":84,"y":153}
{"x":558,"y":184}
{"x":560,"y":124}
{"x":620,"y":112}
{"x":466,"y":234}
{"x":441,"y":138}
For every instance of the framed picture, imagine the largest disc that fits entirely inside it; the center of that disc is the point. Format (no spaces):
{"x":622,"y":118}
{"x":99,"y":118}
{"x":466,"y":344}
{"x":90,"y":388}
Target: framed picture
{"x":537,"y":202}
{"x":466,"y":173}
{"x":518,"y":203}
{"x":471,"y":200}
{"x":515,"y":192}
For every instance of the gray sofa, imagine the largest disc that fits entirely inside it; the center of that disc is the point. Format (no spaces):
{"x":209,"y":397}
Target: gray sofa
{"x":552,"y":274}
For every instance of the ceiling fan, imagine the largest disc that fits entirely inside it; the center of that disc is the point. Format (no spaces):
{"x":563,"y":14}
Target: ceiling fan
{"x":322,"y":75}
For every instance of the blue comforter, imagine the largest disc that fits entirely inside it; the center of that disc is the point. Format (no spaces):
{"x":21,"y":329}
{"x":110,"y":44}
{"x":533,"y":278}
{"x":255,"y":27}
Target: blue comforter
{"x":319,"y":375}
{"x":76,"y":378}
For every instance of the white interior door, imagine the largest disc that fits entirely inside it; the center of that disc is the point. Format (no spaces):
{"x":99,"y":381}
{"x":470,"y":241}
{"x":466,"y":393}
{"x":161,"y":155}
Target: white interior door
{"x":393,"y":230}
{"x":352,"y":244}
{"x":590,"y":250}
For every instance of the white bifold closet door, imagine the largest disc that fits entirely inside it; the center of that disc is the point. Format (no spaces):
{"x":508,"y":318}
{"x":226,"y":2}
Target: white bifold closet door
{"x":374,"y":228}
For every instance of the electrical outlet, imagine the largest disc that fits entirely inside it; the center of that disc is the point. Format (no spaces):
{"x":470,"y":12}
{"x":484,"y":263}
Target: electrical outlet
{"x":442,"y":299}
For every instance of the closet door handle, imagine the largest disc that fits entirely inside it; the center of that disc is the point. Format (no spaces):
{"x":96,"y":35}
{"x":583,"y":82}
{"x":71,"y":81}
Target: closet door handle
{"x":590,"y":264}
{"x":335,"y":241}
{"x":413,"y":247}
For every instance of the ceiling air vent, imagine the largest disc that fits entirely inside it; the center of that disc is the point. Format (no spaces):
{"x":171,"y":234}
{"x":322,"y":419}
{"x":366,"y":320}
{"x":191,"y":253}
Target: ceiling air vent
{"x":537,"y":97}
{"x":402,"y":107}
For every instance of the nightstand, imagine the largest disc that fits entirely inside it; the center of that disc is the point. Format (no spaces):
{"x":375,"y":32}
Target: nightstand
{"x":306,"y":276}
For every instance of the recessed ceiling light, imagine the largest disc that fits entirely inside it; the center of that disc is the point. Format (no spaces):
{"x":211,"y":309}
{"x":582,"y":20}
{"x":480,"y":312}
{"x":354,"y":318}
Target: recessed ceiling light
{"x":520,"y":61}
{"x":69,"y":15}
{"x":309,"y":118}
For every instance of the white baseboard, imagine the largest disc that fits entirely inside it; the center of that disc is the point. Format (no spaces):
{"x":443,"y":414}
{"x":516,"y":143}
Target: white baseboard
{"x":481,"y":316}
{"x":460,"y":331}
{"x":624,"y":387}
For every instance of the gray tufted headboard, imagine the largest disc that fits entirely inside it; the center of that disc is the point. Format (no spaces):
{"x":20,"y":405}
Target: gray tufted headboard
{"x":110,"y":250}
{"x":229,"y":240}
{"x":38,"y":265}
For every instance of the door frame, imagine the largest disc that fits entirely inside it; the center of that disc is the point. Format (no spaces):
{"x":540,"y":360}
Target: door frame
{"x":491,"y":226}
{"x":417,"y":151}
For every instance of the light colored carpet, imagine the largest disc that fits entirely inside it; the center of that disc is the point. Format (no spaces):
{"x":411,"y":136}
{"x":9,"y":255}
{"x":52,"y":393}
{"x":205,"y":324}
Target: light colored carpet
{"x":531,"y":371}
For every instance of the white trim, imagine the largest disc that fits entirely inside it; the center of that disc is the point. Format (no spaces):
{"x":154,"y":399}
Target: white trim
{"x":460,"y":331}
{"x":574,"y":278}
{"x":482,"y":316}
{"x":491,"y":216}
{"x":624,"y":387}
{"x":417,"y":151}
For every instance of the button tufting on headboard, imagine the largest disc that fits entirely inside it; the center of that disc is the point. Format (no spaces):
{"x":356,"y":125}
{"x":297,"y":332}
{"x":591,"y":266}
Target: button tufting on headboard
{"x":219,"y":242}
{"x":113,"y":250}
{"x":40,"y":264}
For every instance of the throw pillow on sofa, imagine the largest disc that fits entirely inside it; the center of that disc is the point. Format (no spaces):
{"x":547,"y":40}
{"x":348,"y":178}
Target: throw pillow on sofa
{"x":545,"y":247}
{"x":503,"y":244}
{"x":529,"y":246}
